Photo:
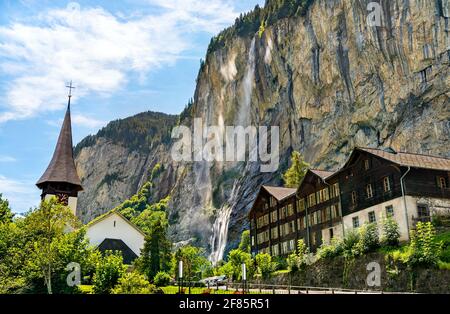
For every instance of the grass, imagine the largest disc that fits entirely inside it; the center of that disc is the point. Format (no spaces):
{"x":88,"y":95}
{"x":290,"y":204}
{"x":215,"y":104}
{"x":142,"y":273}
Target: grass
{"x":86,"y":289}
{"x":174,"y":290}
{"x":445,"y":239}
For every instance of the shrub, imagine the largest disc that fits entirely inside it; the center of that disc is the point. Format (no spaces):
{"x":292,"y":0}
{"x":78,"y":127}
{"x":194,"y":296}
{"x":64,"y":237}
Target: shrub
{"x":162,"y":279}
{"x":368,"y":239}
{"x":334,"y":249}
{"x":265,"y":265}
{"x":424,"y":249}
{"x":298,"y":260}
{"x":391,"y":233}
{"x":350,"y":241}
{"x":133,"y":283}
{"x":107,"y":273}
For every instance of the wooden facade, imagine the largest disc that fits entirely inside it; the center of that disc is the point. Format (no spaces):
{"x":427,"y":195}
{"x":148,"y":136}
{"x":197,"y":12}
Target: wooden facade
{"x":280,"y":217}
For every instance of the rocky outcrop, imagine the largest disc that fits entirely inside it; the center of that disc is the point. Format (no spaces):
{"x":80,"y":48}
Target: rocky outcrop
{"x":327,"y":79}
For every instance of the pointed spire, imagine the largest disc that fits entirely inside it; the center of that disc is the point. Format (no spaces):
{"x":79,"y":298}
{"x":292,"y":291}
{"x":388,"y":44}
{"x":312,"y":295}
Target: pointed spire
{"x":62,"y":166}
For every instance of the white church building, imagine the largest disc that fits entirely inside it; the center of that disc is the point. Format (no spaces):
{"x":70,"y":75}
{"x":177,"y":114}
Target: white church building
{"x":111,"y":231}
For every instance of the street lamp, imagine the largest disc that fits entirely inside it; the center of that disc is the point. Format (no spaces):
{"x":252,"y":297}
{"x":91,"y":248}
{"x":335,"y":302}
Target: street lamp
{"x":180,"y":276}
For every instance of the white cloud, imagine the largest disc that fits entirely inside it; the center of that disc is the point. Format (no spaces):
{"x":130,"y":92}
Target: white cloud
{"x":21,"y":194}
{"x":4,"y":158}
{"x":96,"y":49}
{"x":87,"y":122}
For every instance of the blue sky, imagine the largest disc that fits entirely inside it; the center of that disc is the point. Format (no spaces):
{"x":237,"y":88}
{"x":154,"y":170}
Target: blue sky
{"x":124,"y":57}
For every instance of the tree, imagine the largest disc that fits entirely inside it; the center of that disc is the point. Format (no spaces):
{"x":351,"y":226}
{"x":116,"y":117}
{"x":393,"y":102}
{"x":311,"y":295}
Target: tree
{"x":295,"y":174}
{"x":108,"y":272}
{"x":299,"y":259}
{"x":265,"y":265}
{"x":156,"y":254}
{"x":236,"y":258}
{"x":391,"y":232}
{"x":193,"y":260}
{"x":48,"y":225}
{"x":244,"y":245}
{"x":133,"y":283}
{"x":6,"y":214}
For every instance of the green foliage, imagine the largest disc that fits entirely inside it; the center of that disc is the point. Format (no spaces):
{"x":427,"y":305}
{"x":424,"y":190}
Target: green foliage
{"x":332,"y":250}
{"x":444,"y":239}
{"x":133,"y":283}
{"x":244,"y":245}
{"x":424,"y":250}
{"x":47,"y":226}
{"x":162,"y":279}
{"x":265,"y":265}
{"x":140,"y":133}
{"x":259,"y":19}
{"x":6,"y":214}
{"x":350,"y":241}
{"x":295,"y":174}
{"x":299,"y":259}
{"x":391,"y":233}
{"x":156,"y":254}
{"x":193,"y":262}
{"x":236,"y":258}
{"x":108,"y":271}
{"x":368,"y":239}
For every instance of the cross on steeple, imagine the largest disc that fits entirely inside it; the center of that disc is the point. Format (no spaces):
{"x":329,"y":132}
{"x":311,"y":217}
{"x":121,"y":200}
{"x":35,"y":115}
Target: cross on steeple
{"x":70,"y":87}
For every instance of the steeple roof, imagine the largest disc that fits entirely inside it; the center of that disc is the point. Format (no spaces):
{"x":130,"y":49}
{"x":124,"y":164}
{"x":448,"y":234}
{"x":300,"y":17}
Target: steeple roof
{"x":62,"y":166}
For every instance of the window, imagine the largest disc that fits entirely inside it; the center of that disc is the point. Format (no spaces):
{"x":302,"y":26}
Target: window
{"x":423,"y":213}
{"x":292,"y":226}
{"x":301,"y":205}
{"x":291,"y":245}
{"x":326,"y":195}
{"x":275,"y":250}
{"x":301,"y":222}
{"x":114,"y":223}
{"x":282,"y":212}
{"x":367,"y":164}
{"x":274,"y":233}
{"x":313,"y":238}
{"x":290,"y":210}
{"x":372,"y":217}
{"x":369,"y":191}
{"x":331,"y":233}
{"x":442,"y":183}
{"x":284,"y":248}
{"x":355,"y":222}
{"x":386,"y":184}
{"x":274,"y":216}
{"x":354,"y":198}
{"x":336,"y":190}
{"x":390,"y":211}
{"x":253,"y":240}
{"x":311,"y":200}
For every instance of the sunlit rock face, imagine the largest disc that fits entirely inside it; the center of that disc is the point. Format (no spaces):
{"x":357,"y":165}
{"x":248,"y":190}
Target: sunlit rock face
{"x":327,"y":79}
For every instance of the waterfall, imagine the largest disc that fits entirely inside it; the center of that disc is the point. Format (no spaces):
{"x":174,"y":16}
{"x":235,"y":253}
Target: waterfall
{"x":220,"y":228}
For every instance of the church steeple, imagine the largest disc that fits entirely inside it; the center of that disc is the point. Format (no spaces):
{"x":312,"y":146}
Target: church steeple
{"x":61,"y":178}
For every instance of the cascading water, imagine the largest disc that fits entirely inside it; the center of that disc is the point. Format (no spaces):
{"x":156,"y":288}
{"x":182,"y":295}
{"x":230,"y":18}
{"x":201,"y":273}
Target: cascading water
{"x":220,"y":228}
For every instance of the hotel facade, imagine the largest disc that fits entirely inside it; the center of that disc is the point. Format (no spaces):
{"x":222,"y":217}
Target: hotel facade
{"x":372,"y":185}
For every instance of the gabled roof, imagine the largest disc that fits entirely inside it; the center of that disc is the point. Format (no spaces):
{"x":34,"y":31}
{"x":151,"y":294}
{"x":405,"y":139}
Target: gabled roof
{"x":118,"y":245}
{"x":322,"y":173}
{"x":110,"y":213}
{"x":409,"y":159}
{"x":279,"y":193}
{"x":62,"y":166}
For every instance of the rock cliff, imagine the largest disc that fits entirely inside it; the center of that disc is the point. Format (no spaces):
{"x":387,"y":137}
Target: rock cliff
{"x":323,"y":75}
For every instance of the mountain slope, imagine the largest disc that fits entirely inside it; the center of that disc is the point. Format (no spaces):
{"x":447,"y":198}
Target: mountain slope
{"x":329,"y":81}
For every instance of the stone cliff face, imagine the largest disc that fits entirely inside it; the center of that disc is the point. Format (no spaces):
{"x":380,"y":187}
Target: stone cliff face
{"x":327,"y":79}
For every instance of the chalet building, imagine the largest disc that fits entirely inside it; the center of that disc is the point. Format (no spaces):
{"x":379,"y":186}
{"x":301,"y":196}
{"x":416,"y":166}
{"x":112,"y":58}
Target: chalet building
{"x":372,"y":185}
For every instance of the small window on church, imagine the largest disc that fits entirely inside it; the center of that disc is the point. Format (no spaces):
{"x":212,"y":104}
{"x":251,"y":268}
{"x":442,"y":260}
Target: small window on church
{"x":114,"y":223}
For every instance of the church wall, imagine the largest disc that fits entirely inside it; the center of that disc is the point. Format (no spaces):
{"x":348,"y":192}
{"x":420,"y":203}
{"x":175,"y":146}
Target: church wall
{"x":115,"y":227}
